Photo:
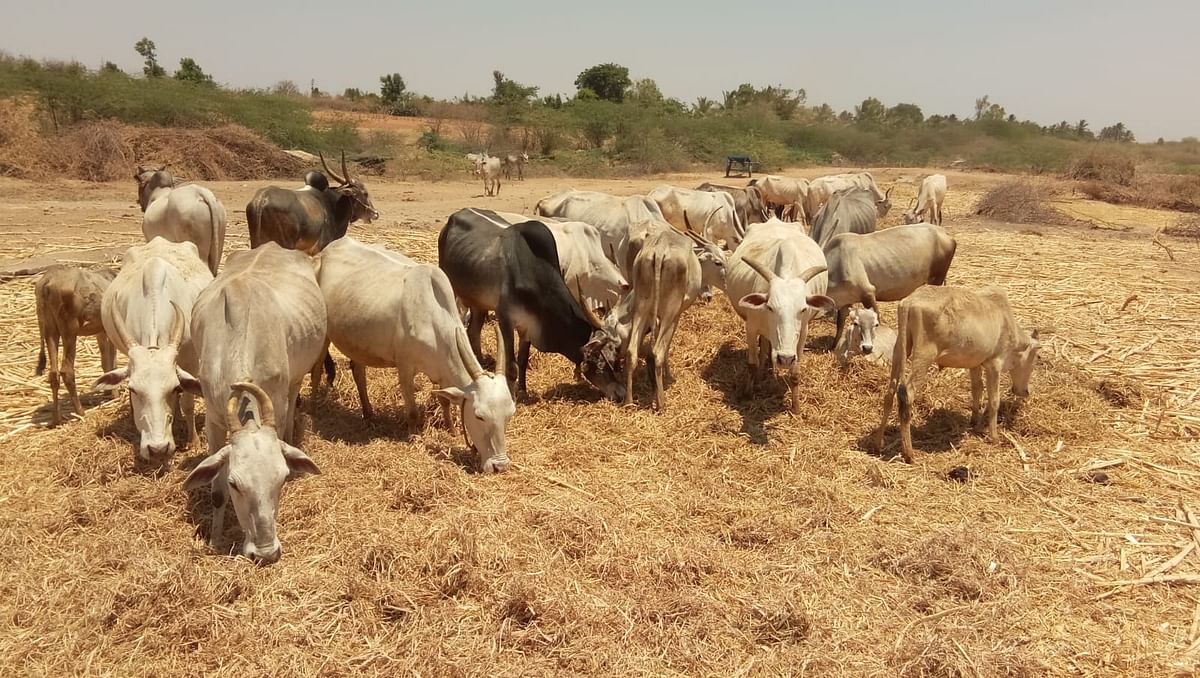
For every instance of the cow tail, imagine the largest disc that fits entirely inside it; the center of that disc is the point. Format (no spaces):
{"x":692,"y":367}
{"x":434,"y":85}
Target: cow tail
{"x":214,"y":250}
{"x":904,"y":406}
{"x":41,"y":363}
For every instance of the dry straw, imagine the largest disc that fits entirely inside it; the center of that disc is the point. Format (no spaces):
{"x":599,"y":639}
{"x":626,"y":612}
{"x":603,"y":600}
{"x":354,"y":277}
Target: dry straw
{"x":721,"y":537}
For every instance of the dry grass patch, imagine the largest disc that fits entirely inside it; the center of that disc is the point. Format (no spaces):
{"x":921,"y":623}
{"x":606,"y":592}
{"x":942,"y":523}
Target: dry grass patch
{"x":1020,"y":201}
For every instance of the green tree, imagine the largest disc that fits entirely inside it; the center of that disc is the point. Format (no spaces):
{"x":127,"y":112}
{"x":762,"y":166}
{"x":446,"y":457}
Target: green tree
{"x":905,"y":115}
{"x":645,"y":92}
{"x":703,"y":106}
{"x":607,"y":81}
{"x":145,"y":47}
{"x":506,"y":91}
{"x":110,"y":67}
{"x":285,"y":88}
{"x":870,"y":112}
{"x":392,"y":89}
{"x":352,"y":93}
{"x":1118,"y":133}
{"x":190,"y":71}
{"x":986,"y":110}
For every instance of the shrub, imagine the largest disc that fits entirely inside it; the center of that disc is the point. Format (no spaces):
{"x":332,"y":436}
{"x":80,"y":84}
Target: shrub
{"x":1104,"y":166}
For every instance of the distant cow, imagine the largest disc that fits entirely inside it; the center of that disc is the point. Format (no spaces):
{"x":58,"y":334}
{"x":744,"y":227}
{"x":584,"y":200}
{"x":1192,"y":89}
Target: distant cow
{"x":749,"y":201}
{"x":848,"y":211}
{"x":927,"y":206}
{"x":886,"y":265}
{"x":514,"y":271}
{"x":490,"y":170}
{"x":714,"y":214}
{"x":957,"y":327}
{"x":309,"y":218}
{"x":781,"y":192}
{"x":181,"y":213}
{"x":777,"y":284}
{"x":611,"y":215}
{"x":68,"y":306}
{"x":866,"y":337}
{"x":259,"y":328}
{"x":585,"y":267}
{"x":146,"y":312}
{"x":411,"y":323}
{"x":516,"y":160}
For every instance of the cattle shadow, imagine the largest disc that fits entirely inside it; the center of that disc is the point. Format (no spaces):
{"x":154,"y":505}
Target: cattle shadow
{"x":577,"y":392}
{"x":934,"y":432}
{"x":729,"y":374}
{"x":336,"y":420}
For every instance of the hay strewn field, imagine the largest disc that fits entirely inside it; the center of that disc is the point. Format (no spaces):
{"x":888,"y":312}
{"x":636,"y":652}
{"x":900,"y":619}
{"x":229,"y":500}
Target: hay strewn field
{"x":724,"y":537}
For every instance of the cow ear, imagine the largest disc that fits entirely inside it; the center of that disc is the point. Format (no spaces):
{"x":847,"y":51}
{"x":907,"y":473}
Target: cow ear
{"x":208,"y":469}
{"x":452,"y":395}
{"x":753,"y":300}
{"x":113,"y":378}
{"x":187,"y":382}
{"x":297,"y":461}
{"x":822,"y":301}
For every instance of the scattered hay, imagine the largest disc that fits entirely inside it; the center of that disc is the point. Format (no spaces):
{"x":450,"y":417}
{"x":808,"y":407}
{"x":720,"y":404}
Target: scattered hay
{"x":1020,"y":201}
{"x":1187,"y":227}
{"x":1180,"y":193}
{"x":1109,"y":168}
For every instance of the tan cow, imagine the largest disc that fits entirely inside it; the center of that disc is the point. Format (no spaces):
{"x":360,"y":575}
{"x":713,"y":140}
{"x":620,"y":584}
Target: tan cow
{"x":927,"y":206}
{"x":957,"y":327}
{"x":68,"y":307}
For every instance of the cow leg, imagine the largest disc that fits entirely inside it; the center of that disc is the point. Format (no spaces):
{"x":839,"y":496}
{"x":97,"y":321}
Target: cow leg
{"x":360,"y":382}
{"x":888,"y":396}
{"x":315,"y":372}
{"x":70,"y":342}
{"x":795,"y":369}
{"x":993,"y":394}
{"x":636,"y":330}
{"x":474,"y":329}
{"x":295,"y":418}
{"x":108,"y":353}
{"x":522,"y":365}
{"x":217,"y":496}
{"x":976,"y":397}
{"x":661,"y":350}
{"x":842,"y":313}
{"x":187,"y":403}
{"x":504,"y":335}
{"x":409,"y":391}
{"x":52,"y":351}
{"x":497,"y":193}
{"x":752,"y":357}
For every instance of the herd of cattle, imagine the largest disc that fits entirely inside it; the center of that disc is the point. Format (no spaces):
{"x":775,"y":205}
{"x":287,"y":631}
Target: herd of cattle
{"x":243,"y":336}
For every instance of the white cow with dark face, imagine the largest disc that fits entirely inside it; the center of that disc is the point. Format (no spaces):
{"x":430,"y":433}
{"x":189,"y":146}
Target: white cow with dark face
{"x":145,"y":311}
{"x":776,"y":283}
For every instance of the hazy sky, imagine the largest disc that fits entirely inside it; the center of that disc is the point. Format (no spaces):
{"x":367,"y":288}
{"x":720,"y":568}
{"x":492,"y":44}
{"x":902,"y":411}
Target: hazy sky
{"x":1045,"y":60}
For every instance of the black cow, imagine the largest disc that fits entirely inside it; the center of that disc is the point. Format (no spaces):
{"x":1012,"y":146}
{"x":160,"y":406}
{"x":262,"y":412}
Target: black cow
{"x":514,"y":271}
{"x":312,"y":217}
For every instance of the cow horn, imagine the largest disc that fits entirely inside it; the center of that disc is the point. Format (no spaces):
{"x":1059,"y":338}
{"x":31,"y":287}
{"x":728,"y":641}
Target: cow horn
{"x":121,"y":330}
{"x":465,"y":354}
{"x":501,"y":356}
{"x":888,"y":192}
{"x":687,"y":224}
{"x":587,"y":312}
{"x":235,"y":424}
{"x":176,"y":326}
{"x":266,"y":409}
{"x":812,"y":272}
{"x":329,"y":171}
{"x":346,"y":172}
{"x":765,"y":272}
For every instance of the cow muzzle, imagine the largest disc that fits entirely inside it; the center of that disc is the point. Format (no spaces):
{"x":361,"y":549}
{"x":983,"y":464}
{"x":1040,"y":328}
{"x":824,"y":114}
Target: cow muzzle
{"x":496,"y":465}
{"x":867,"y":349}
{"x":785,"y":359}
{"x":263,"y":556}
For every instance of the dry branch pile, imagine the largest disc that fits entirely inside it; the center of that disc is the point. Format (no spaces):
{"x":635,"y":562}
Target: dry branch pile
{"x":1020,"y":201}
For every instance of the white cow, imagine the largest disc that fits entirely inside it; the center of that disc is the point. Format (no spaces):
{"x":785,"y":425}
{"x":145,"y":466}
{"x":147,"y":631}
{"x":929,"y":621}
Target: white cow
{"x":411,"y":323}
{"x":490,"y":169}
{"x":585,"y":266}
{"x":145,"y":311}
{"x":713,"y":216}
{"x":927,"y":206}
{"x":821,"y":189}
{"x":866,"y":337}
{"x":785,"y":192}
{"x":777,"y":284}
{"x":187,"y":213}
{"x":611,"y":215}
{"x":259,"y":328}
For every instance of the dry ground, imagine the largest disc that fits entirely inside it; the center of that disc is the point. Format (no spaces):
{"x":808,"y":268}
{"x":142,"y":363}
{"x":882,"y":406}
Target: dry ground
{"x":723,"y":537}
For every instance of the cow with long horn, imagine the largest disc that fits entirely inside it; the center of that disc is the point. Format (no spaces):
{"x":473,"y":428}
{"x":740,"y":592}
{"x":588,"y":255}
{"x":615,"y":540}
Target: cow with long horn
{"x":146,"y":311}
{"x":311,"y":217}
{"x":251,"y":469}
{"x":776,"y":283}
{"x":412,"y":324}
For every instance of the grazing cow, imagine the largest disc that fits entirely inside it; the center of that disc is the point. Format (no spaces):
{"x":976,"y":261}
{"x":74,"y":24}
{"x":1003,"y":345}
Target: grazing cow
{"x":821,"y":189}
{"x":68,"y":306}
{"x":887,"y":265}
{"x":259,"y":328}
{"x":411,"y":323}
{"x":179,"y":213}
{"x":866,"y":337}
{"x":669,"y":272}
{"x":489,"y":168}
{"x":611,"y":215}
{"x":715,"y":213}
{"x":781,"y":192}
{"x":310,"y":218}
{"x":512,"y":160}
{"x":883,"y":201}
{"x":145,"y":312}
{"x":750,"y":201}
{"x":514,"y":271}
{"x":848,"y":211}
{"x":585,"y":267}
{"x":777,"y":284}
{"x":927,"y":206}
{"x":251,"y":467}
{"x":957,"y":327}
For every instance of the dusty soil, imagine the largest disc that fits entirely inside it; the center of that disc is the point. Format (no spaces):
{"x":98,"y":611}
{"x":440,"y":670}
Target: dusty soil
{"x":725,"y":536}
